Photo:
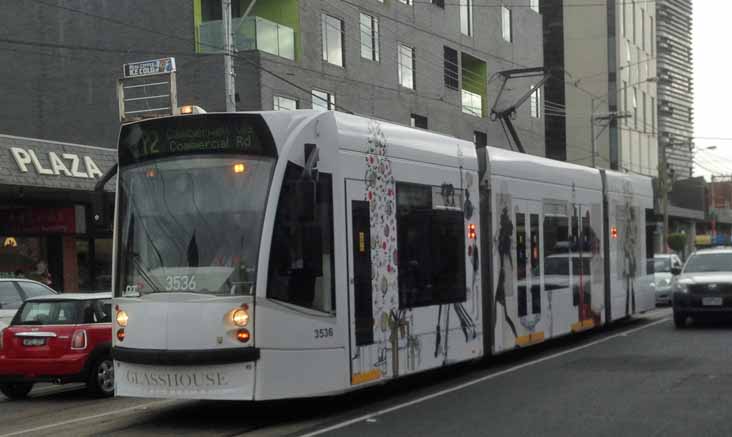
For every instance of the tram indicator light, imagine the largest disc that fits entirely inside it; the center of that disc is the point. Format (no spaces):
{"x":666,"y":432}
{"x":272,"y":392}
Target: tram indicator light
{"x":240,"y":168}
{"x":471,"y":231}
{"x":121,"y":334}
{"x":243,"y":335}
{"x":614,"y":232}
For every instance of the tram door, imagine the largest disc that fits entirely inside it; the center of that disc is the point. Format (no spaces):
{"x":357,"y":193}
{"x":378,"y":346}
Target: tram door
{"x":527,"y":218}
{"x":367,"y":356}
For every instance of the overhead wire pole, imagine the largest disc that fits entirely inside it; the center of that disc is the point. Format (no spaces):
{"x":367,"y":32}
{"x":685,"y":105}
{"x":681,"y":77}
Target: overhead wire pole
{"x":229,"y":73}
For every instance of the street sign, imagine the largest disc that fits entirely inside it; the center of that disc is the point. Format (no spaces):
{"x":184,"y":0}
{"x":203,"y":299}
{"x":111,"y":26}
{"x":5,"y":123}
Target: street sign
{"x":147,"y":89}
{"x":149,"y":68}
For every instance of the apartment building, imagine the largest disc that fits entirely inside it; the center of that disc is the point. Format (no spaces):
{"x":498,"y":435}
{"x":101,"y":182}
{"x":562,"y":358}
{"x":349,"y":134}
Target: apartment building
{"x":675,"y":84}
{"x":602,"y":56}
{"x":429,"y":64}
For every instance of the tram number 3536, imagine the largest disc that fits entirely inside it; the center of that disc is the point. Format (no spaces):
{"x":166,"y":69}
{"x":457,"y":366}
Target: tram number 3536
{"x":180,"y":282}
{"x":323,"y":332}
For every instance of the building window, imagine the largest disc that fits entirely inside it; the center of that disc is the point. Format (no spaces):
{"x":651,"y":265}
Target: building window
{"x":633,"y":22}
{"x":466,"y":17}
{"x":439,"y":3}
{"x":635,"y":107}
{"x":369,"y":37}
{"x":332,"y":40}
{"x":643,"y":95}
{"x":480,"y":138}
{"x":534,"y":4}
{"x":451,"y":69}
{"x":472,"y":103}
{"x":506,"y":24}
{"x":643,"y":29}
{"x":430,"y":222}
{"x":406,"y":2}
{"x":323,"y":101}
{"x":284,"y":104}
{"x":653,"y":115}
{"x":625,"y":100}
{"x":301,"y":265}
{"x":535,"y":104}
{"x":653,"y":36}
{"x":419,"y":121}
{"x":623,"y":11}
{"x":406,"y":66}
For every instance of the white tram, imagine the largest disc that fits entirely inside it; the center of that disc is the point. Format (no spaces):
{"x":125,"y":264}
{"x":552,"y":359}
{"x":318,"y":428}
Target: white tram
{"x":288,"y":254}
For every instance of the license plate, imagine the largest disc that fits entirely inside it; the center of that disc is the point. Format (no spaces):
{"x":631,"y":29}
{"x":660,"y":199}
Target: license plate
{"x":34,"y":341}
{"x":712,"y":301}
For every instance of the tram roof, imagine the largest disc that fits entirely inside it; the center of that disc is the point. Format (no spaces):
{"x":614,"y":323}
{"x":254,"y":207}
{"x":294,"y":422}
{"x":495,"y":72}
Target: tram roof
{"x":404,"y":142}
{"x":517,"y":165}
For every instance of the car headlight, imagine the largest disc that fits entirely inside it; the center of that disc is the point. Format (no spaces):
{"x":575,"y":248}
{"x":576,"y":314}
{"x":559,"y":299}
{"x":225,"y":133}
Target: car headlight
{"x":664,"y":282}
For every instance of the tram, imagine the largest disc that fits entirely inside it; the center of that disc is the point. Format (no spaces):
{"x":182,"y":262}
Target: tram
{"x":272,"y":255}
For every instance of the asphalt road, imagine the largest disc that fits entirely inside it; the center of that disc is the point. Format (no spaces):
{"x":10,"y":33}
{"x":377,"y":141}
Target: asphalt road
{"x":640,"y":378}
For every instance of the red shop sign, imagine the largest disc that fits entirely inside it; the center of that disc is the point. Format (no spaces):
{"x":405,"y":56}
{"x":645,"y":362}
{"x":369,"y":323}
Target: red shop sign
{"x":37,"y":221}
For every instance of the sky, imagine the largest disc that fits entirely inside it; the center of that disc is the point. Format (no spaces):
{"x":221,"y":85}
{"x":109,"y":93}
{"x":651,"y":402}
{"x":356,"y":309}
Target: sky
{"x":712,"y":87}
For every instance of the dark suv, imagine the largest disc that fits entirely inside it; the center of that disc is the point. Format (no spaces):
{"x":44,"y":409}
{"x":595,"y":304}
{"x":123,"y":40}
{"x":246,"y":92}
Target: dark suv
{"x":58,"y":338}
{"x":703,"y":287}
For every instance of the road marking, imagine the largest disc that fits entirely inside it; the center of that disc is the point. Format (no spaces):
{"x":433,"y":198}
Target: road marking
{"x":478,"y":381}
{"x":83,"y":419}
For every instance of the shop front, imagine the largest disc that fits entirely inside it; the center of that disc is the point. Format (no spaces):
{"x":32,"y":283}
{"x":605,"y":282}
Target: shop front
{"x":46,"y":199}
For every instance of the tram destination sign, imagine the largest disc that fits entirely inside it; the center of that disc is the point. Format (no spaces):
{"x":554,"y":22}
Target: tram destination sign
{"x":149,"y":68}
{"x":195,"y":134}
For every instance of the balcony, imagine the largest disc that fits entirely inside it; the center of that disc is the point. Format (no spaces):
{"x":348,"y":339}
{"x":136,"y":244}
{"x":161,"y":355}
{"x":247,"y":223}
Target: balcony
{"x":250,"y":33}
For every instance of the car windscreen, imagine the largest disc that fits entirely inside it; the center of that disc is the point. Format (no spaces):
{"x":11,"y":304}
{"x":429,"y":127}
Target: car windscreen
{"x":55,"y":312}
{"x":661,"y":265}
{"x":709,"y":262}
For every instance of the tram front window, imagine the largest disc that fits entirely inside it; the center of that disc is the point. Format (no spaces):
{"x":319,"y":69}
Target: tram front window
{"x":192,"y":224}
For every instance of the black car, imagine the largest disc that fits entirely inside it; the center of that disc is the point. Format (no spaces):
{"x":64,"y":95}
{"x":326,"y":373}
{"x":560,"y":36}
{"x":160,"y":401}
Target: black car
{"x":703,"y":288}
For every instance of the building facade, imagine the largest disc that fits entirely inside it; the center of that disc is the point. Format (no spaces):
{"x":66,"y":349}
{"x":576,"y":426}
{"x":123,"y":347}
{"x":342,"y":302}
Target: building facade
{"x":47,"y":201}
{"x":675,"y":84}
{"x":602,"y":97}
{"x":428,"y":64}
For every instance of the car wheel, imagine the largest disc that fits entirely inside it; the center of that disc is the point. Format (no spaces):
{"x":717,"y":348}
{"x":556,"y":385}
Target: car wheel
{"x":101,"y":378}
{"x":16,"y":391}
{"x":679,"y":320}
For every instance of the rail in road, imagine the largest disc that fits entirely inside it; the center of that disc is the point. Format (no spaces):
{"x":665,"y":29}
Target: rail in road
{"x":393,"y":409}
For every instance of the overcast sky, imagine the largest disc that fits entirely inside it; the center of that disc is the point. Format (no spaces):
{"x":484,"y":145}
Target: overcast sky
{"x":712,"y":86}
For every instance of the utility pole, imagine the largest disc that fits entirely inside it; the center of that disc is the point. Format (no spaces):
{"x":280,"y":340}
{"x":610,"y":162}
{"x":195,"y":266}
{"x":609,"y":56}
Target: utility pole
{"x":609,"y":117}
{"x":229,"y":73}
{"x":665,"y":181}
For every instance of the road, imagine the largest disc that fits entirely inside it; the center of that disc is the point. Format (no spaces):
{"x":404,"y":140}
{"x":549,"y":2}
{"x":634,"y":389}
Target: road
{"x":641,"y":378}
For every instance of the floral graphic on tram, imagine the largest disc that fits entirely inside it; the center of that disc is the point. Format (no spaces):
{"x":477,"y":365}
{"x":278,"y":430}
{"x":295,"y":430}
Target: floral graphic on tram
{"x":421,"y":228}
{"x":381,"y":194}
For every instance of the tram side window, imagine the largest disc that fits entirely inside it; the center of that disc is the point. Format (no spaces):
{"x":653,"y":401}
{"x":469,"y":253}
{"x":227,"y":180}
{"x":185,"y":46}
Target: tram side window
{"x":431,"y":249}
{"x":301,"y":261}
{"x":556,"y":252}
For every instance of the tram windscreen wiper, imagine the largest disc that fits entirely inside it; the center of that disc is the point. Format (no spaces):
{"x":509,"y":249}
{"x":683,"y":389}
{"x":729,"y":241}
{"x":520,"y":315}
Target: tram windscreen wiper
{"x":149,"y":280}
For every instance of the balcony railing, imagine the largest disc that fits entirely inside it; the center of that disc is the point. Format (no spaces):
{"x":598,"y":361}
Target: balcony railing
{"x":250,"y":33}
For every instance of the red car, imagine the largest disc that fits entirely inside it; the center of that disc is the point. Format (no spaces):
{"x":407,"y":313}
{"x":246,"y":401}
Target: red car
{"x":58,"y":338}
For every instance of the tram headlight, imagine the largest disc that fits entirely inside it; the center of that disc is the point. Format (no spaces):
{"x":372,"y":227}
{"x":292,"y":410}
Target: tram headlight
{"x":240,"y":316}
{"x":122,"y":318}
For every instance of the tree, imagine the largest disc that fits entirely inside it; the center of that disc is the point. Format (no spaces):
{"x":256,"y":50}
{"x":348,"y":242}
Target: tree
{"x":677,"y":241}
